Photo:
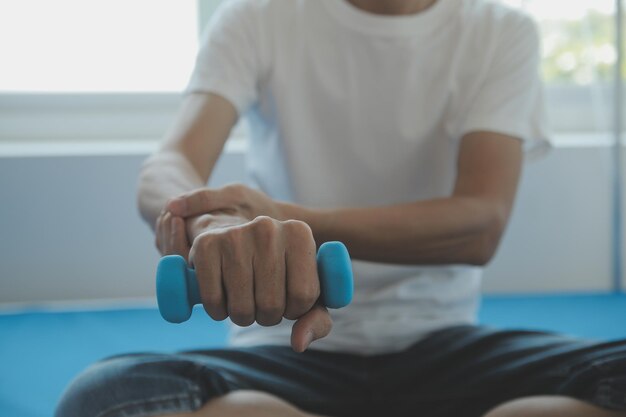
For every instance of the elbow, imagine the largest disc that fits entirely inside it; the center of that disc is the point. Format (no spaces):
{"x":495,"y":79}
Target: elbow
{"x":482,"y":255}
{"x":487,"y":240}
{"x":145,"y":193}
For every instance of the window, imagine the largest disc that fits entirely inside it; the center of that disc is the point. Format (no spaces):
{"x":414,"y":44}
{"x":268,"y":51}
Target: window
{"x":93,"y":46}
{"x":578,"y":67}
{"x":113,"y":70}
{"x":93,"y":70}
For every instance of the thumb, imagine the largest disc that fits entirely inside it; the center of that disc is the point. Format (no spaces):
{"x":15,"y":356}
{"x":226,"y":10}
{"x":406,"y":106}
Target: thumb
{"x":313,"y":325}
{"x":197,"y":202}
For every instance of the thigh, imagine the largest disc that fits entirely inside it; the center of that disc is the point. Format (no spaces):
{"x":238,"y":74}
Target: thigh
{"x":468,"y":370}
{"x":157,"y":384}
{"x":550,"y":406}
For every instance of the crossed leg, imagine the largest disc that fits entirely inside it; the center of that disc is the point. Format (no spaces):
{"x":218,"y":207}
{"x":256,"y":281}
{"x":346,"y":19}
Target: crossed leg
{"x":259,"y":404}
{"x":247,"y":404}
{"x":550,"y":406}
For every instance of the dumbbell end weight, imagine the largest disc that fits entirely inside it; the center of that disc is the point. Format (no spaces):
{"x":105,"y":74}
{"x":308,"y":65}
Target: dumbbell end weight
{"x":178,"y":291}
{"x":335,"y":272}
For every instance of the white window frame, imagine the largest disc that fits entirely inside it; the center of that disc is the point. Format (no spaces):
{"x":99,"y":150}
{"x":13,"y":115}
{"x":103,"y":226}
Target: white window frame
{"x":84,"y":117}
{"x":80,"y":117}
{"x":32,"y":117}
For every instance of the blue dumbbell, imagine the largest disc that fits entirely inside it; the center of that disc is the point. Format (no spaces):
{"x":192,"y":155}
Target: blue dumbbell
{"x":178,"y":291}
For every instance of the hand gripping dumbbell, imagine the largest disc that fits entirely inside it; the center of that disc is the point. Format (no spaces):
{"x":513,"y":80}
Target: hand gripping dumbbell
{"x":178,"y":291}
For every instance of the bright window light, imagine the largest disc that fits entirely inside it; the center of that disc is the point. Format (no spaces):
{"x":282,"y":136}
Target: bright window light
{"x":563,"y":9}
{"x":97,"y":46}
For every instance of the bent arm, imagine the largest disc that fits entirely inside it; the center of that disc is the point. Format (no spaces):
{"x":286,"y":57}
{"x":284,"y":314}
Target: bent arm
{"x":464,"y":228}
{"x":188,"y":153}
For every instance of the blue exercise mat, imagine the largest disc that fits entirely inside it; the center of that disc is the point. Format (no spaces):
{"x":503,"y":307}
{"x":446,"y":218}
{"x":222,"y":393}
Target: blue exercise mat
{"x":41,"y":351}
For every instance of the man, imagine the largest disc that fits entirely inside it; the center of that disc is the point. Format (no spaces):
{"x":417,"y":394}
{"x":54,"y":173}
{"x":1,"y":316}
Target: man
{"x":397,"y":127}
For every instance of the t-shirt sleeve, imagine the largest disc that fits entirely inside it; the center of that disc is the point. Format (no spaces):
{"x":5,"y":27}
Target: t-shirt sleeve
{"x":228,"y":62}
{"x":510,"y":97}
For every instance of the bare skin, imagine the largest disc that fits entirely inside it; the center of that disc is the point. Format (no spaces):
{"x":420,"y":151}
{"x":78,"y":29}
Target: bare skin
{"x":252,"y":403}
{"x":393,"y":7}
{"x":246,"y":404}
{"x":550,"y":406}
{"x":462,"y":228}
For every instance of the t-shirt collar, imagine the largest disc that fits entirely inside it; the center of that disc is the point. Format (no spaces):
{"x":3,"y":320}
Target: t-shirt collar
{"x":385,"y":25}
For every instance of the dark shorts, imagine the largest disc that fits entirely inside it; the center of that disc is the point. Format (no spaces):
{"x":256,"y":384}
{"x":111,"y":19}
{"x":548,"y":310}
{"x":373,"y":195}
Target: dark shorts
{"x":463,"y":370}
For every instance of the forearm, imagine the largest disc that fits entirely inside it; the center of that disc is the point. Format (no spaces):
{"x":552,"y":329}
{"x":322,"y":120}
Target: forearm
{"x":455,"y":230}
{"x":188,"y":153}
{"x":164,"y":175}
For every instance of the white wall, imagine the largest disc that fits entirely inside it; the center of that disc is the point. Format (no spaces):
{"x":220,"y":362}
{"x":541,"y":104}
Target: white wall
{"x":559,"y":238}
{"x":70,"y":230}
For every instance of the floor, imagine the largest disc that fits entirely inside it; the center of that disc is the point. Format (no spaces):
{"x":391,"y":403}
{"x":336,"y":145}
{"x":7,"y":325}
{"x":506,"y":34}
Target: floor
{"x":40,"y":351}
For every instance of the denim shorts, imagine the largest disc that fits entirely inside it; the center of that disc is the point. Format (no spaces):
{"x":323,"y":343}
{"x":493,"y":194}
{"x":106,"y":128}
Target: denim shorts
{"x":463,"y":370}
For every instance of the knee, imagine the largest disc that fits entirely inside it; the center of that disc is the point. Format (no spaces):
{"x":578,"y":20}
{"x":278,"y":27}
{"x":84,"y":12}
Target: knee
{"x":128,"y":385}
{"x":550,"y":406}
{"x":251,"y":403}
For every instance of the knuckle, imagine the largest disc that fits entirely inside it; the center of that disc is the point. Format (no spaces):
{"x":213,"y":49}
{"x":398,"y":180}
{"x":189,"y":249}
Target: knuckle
{"x":216,"y":312}
{"x":297,"y":228}
{"x":202,"y":246}
{"x":217,"y":315}
{"x":306,"y":294}
{"x":265,"y":227}
{"x":264,"y":221}
{"x":241,"y":316}
{"x":270,"y":320}
{"x":236,"y":190}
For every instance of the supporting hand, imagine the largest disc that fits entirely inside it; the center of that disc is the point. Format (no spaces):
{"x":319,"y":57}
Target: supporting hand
{"x":234,"y":199}
{"x":171,"y":235}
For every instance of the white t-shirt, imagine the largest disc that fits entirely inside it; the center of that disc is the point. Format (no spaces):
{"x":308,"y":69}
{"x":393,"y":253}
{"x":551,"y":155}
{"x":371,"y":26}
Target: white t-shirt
{"x":352,"y":109}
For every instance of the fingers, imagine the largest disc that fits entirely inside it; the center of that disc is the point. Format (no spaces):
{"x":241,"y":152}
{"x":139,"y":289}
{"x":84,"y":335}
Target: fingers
{"x":171,"y":235}
{"x":200,"y":202}
{"x":313,"y":325}
{"x":178,"y":237}
{"x":303,"y":287}
{"x":269,"y":273}
{"x":208,"y":268}
{"x":159,"y":233}
{"x":260,"y":271}
{"x":237,"y":276}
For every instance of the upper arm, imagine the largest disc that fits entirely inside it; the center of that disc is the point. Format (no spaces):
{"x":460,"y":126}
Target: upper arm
{"x":222,"y":87}
{"x":488,"y":171}
{"x":200,"y":130}
{"x":506,"y":96}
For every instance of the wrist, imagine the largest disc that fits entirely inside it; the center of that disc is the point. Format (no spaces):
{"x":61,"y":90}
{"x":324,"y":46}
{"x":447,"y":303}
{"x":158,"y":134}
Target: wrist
{"x":317,"y":219}
{"x":196,"y":225}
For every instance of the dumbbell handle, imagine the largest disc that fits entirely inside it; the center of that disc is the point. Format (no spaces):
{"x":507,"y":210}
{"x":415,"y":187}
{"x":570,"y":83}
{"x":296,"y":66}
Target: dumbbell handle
{"x":178,"y":290}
